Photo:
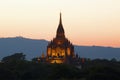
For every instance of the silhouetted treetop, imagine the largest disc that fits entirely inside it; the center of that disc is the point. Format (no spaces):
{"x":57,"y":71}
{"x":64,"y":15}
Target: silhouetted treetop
{"x":14,"y":57}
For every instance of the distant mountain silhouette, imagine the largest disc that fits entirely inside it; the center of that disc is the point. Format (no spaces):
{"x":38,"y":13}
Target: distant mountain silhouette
{"x":34,"y":48}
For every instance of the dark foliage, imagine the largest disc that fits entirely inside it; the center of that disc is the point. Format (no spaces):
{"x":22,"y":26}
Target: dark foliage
{"x":32,"y":70}
{"x":13,"y":58}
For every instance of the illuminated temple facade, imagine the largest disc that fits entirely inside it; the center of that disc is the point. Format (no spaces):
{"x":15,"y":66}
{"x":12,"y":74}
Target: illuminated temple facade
{"x":60,"y":49}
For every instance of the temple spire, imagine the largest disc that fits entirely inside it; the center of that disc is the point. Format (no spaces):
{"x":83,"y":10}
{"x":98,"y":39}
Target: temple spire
{"x":60,"y":18}
{"x":60,"y":29}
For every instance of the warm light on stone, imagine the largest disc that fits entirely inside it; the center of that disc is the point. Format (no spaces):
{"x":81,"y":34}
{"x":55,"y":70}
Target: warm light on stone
{"x":60,"y":50}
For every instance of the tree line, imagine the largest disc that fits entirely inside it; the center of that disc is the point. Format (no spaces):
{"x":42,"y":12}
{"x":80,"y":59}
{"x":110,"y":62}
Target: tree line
{"x":16,"y":67}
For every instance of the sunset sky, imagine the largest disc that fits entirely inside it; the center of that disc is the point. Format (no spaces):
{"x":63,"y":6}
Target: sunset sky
{"x":86,"y":22}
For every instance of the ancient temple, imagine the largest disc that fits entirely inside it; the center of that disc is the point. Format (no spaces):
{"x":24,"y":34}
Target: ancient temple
{"x":60,"y":49}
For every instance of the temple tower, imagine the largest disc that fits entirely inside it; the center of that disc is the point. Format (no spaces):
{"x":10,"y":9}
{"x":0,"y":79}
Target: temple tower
{"x":60,"y":49}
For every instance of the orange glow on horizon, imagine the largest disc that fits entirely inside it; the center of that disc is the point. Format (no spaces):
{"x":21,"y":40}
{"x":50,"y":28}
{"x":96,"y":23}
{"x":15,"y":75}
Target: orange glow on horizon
{"x":86,"y":22}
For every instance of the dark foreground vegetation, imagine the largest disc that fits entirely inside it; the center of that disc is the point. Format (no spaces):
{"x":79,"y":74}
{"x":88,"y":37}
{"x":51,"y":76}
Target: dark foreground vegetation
{"x":15,"y":67}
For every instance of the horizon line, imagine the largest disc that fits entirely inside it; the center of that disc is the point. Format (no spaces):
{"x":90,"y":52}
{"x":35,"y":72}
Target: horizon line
{"x":50,"y":40}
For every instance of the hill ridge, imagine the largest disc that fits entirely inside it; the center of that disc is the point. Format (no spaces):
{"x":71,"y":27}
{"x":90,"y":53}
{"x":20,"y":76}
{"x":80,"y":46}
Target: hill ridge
{"x":35,"y":47}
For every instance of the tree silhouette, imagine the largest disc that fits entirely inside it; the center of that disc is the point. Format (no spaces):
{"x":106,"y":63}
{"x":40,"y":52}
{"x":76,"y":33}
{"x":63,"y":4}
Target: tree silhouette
{"x":14,"y":58}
